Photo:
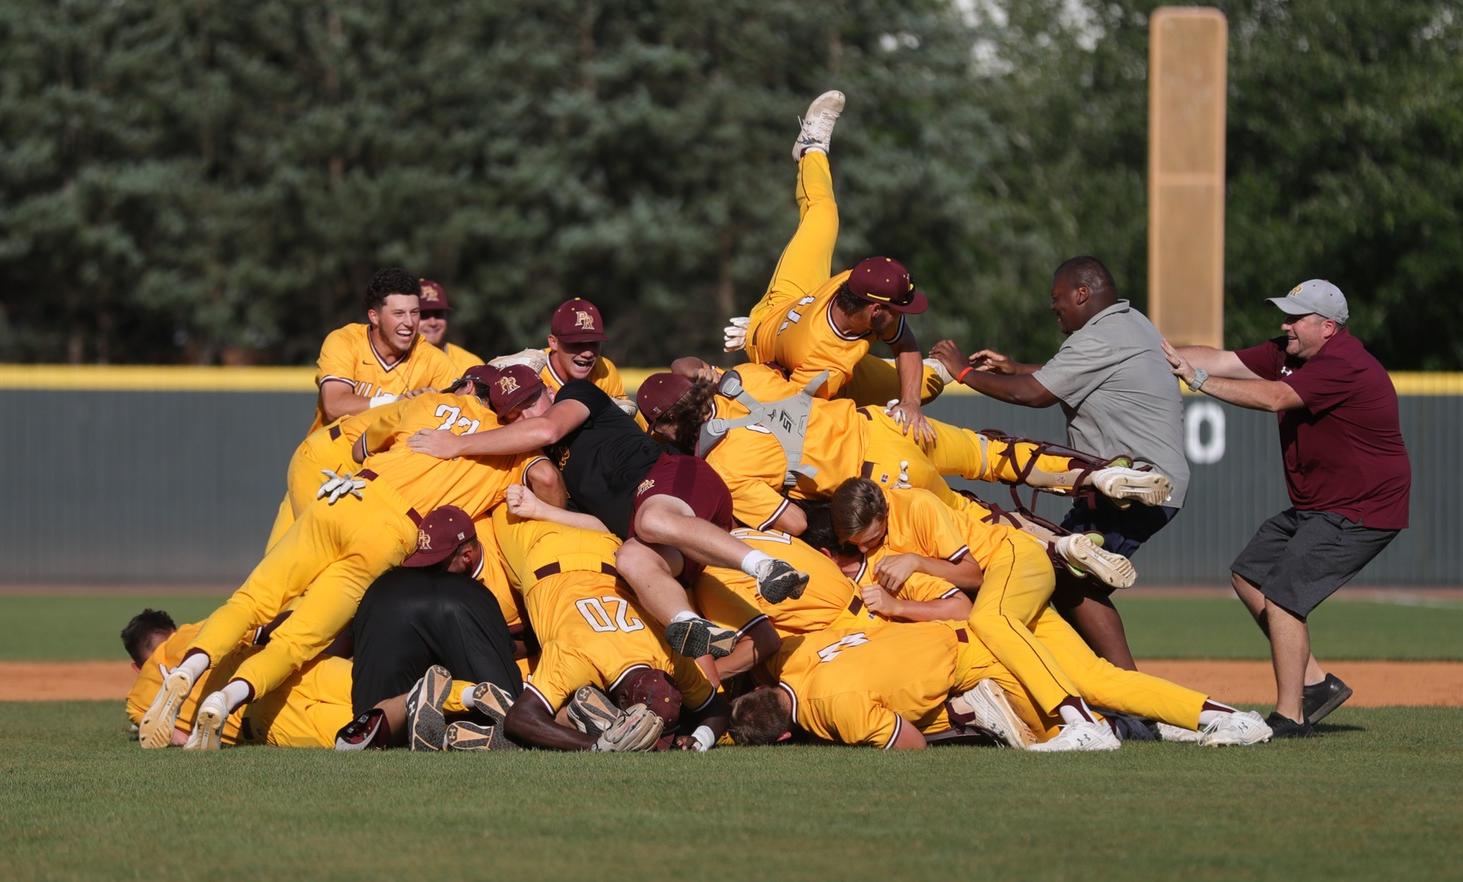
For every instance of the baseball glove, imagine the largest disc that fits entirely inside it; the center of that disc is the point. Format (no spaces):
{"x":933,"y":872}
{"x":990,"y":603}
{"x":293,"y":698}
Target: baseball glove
{"x":636,"y":729}
{"x":591,"y":711}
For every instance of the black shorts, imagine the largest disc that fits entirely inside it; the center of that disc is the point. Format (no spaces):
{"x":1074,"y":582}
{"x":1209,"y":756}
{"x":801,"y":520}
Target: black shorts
{"x":691,"y":480}
{"x":1299,"y":558}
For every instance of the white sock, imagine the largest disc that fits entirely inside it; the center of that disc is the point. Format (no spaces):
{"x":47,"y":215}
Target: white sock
{"x":1075,"y":712}
{"x":235,"y":694}
{"x":684,"y":615}
{"x":195,"y":665}
{"x":752,"y":561}
{"x":466,"y":696}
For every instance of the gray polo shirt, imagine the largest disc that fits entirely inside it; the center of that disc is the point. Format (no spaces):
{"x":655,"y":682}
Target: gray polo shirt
{"x":1119,"y":395}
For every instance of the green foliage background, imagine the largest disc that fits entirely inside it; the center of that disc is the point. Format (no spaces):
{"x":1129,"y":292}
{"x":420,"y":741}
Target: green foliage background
{"x":214,"y":182}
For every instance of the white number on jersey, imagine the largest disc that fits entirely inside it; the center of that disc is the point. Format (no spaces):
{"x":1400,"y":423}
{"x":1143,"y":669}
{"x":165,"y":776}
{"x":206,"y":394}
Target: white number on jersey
{"x":455,"y":419}
{"x":602,"y":620}
{"x":848,"y":641}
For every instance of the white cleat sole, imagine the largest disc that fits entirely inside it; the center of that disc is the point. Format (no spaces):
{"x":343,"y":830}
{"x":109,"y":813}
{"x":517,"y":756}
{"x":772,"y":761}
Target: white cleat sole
{"x":156,"y":728}
{"x":207,"y":731}
{"x":1108,"y":567}
{"x":1148,"y":488}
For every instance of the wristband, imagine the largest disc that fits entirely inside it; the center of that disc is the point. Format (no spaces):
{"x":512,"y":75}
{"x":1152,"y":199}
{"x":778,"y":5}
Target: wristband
{"x":960,"y":377}
{"x":704,"y":738}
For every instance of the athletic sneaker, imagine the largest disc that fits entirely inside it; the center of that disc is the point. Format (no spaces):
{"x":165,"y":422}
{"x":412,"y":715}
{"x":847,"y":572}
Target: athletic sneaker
{"x":466,"y":735}
{"x":1118,"y":482}
{"x":208,"y":727}
{"x":1108,"y":567}
{"x":1285,"y":727}
{"x":816,"y":129}
{"x":695,"y":637}
{"x":156,"y":729}
{"x":591,"y":711}
{"x":490,"y":700}
{"x":778,"y":580}
{"x":1080,"y":737}
{"x":1238,"y":728}
{"x":1321,"y":698}
{"x":988,"y":707}
{"x":1178,"y":734}
{"x":361,"y":732}
{"x":425,"y":723}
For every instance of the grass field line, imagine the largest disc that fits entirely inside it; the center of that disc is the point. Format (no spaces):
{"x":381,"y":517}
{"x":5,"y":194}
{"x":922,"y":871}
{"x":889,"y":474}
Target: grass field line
{"x":1377,"y":683}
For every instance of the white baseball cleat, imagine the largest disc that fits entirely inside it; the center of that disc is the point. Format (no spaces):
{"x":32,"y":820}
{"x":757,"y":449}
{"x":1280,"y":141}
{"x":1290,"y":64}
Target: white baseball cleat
{"x":208,"y":728}
{"x":816,"y":128}
{"x":991,"y":709}
{"x":1080,"y":736}
{"x":1238,"y":728}
{"x":156,"y":729}
{"x":1178,"y":734}
{"x":1108,"y":567}
{"x":1118,"y":482}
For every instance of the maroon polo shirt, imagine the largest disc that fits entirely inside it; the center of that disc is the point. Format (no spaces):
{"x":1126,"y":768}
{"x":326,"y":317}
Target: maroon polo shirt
{"x":1343,"y":450}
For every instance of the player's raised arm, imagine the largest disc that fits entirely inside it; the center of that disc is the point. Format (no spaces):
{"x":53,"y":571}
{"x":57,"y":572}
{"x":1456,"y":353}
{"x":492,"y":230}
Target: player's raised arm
{"x":531,"y":432}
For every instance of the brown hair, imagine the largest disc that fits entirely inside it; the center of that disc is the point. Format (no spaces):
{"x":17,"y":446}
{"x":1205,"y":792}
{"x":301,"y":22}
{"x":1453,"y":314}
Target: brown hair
{"x":856,"y":503}
{"x":688,"y":413}
{"x":758,"y":718}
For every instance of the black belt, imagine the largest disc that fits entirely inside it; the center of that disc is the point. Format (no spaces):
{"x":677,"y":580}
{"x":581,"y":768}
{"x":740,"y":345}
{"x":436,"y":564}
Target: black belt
{"x":368,"y":475}
{"x":554,"y":569}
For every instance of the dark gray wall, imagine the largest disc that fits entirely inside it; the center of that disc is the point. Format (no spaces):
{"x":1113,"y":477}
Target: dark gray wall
{"x":178,"y":487}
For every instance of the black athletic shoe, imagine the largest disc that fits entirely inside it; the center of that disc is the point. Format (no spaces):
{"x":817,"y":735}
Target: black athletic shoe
{"x":1129,"y":727}
{"x":1285,"y":727}
{"x":778,"y":580}
{"x":1324,"y":697}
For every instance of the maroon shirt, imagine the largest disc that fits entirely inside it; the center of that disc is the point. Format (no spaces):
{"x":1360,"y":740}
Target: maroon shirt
{"x":1343,"y":450}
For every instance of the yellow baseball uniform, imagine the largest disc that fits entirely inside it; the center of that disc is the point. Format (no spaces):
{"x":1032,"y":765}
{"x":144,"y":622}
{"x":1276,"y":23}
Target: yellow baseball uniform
{"x":604,"y":375}
{"x":920,"y":587}
{"x":306,"y":710}
{"x":532,"y":551}
{"x":729,"y":597}
{"x":842,"y":440}
{"x":860,"y":684}
{"x":167,"y":656}
{"x":460,"y":358}
{"x":792,"y":324}
{"x":334,"y":552}
{"x":347,"y":356}
{"x":328,"y":447}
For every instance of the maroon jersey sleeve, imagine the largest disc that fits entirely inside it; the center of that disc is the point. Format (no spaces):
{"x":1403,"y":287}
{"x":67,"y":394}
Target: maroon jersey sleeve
{"x":1265,"y":359}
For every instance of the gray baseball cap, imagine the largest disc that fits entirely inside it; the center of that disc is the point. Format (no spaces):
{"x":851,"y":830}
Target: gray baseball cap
{"x":1315,"y":295}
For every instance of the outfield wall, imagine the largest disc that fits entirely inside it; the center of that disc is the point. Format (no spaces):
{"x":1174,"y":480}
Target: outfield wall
{"x":171,"y":476}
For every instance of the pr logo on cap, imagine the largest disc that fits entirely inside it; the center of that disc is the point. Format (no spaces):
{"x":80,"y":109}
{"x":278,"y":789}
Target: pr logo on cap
{"x":583,"y":320}
{"x":424,"y":540}
{"x":507,"y":385}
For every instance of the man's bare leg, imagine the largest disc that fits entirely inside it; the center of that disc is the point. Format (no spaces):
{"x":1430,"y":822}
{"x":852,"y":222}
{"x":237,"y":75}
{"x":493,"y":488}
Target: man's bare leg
{"x":1254,"y":601}
{"x":1290,"y":647}
{"x":1099,"y":623}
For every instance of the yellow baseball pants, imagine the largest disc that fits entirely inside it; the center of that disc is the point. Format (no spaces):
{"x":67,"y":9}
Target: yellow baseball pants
{"x":302,"y":478}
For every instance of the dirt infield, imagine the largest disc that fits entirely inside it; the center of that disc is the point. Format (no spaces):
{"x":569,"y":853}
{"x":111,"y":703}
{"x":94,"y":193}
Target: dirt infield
{"x":1377,"y":683}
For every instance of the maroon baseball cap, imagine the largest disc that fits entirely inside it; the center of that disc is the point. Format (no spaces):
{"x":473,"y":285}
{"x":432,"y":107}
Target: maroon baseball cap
{"x":512,"y":387}
{"x":578,"y":321}
{"x":482,"y":376}
{"x":439,"y":534}
{"x":653,"y":689}
{"x":434,"y":296}
{"x":885,"y":280}
{"x":659,"y":393}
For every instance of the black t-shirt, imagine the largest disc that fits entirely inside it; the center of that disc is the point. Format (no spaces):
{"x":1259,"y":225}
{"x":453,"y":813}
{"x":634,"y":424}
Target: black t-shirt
{"x":605,"y":459}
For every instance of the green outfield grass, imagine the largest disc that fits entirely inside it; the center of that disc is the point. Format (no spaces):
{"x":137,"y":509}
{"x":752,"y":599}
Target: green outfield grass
{"x":1374,"y":798}
{"x":83,"y":628}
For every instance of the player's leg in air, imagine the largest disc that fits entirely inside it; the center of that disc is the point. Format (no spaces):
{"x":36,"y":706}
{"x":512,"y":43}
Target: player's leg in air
{"x":807,"y":260}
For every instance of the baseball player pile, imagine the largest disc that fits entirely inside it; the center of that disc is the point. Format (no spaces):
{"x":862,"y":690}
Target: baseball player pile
{"x":739,"y":557}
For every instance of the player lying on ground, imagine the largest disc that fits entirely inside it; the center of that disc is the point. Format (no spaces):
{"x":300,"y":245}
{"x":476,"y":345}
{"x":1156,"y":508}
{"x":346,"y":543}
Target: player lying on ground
{"x":671,"y":510}
{"x":889,"y":685}
{"x":786,"y":446}
{"x":1011,"y":580}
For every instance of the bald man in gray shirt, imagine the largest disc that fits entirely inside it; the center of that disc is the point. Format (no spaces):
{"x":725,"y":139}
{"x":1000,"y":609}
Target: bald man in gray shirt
{"x":1115,"y":387}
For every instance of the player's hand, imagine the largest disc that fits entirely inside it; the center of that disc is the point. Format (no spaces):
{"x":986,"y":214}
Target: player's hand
{"x":912,"y":421}
{"x":523,"y":503}
{"x":877,"y":600}
{"x":893,"y":571}
{"x":435,"y":442}
{"x":1177,"y":363}
{"x":992,"y":362}
{"x":415,"y":392}
{"x":950,"y":356}
{"x":735,"y":333}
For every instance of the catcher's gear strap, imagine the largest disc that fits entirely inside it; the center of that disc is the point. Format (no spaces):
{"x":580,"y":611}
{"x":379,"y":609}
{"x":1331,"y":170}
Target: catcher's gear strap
{"x":1019,"y":519}
{"x":1083,"y":463}
{"x":785,"y":419}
